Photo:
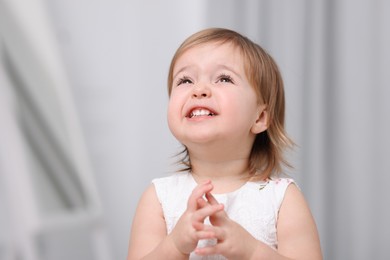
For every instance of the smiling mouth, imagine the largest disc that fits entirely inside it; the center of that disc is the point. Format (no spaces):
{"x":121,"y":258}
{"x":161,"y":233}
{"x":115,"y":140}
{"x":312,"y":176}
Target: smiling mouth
{"x":200,"y":112}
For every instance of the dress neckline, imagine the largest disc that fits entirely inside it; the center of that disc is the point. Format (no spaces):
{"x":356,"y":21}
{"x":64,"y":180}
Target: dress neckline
{"x":195,"y":183}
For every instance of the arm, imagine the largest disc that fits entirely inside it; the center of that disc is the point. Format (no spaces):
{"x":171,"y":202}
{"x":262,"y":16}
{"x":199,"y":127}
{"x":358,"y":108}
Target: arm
{"x":297,"y":233}
{"x":149,"y":239}
{"x":148,"y":233}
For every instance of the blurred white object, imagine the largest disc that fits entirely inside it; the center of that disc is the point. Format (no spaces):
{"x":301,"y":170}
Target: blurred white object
{"x":51,"y":206}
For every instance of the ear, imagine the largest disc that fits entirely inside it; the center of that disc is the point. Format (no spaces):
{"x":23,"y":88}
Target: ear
{"x":261,"y":123}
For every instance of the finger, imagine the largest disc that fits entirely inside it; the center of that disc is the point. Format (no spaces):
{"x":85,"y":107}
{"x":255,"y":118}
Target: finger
{"x":202,"y":203}
{"x":207,"y":250}
{"x":201,"y":226}
{"x":205,"y":235}
{"x":219,"y":235}
{"x":208,"y":210}
{"x":198,"y":225}
{"x":204,"y":227}
{"x":211,"y":199}
{"x":197,"y":193}
{"x":218,"y":232}
{"x":205,"y":231}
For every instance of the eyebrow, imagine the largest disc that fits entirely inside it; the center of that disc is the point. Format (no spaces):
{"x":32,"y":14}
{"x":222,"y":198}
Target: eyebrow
{"x":181,"y":70}
{"x":229,"y":69}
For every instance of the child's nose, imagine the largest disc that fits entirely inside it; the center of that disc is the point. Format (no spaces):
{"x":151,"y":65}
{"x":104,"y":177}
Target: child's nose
{"x":201,"y":92}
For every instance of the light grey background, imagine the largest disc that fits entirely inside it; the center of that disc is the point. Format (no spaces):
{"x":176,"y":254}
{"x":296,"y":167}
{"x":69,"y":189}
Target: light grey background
{"x":335,"y":60}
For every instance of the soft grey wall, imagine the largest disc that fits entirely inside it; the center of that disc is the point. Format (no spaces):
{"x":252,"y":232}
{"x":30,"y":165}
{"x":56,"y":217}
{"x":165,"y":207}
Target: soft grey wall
{"x":117,"y":55}
{"x":334,"y":58}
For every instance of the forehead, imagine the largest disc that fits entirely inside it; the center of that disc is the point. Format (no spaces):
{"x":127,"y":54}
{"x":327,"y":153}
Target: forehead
{"x":210,"y":54}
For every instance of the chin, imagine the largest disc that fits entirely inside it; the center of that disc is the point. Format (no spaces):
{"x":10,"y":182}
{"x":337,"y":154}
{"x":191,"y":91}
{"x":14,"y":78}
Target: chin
{"x":199,"y":139}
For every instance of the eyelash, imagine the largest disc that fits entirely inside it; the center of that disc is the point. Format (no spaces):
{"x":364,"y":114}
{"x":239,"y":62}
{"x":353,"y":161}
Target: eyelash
{"x":227,"y":78}
{"x":223,"y":78}
{"x":183,"y":80}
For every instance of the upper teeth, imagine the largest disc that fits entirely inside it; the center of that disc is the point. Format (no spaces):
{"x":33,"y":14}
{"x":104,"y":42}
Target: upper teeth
{"x":201,"y":112}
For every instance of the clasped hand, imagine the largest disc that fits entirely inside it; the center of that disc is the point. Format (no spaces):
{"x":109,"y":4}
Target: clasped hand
{"x":233,"y":241}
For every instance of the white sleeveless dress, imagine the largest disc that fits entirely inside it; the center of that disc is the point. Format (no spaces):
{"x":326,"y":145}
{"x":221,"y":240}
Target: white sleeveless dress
{"x":255,"y":205}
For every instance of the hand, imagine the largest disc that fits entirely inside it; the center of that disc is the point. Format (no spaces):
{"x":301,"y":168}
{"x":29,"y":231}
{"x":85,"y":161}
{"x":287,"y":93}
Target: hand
{"x":233,"y":241}
{"x":184,"y":235}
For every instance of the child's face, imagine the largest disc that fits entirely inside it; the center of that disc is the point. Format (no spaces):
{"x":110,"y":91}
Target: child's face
{"x":211,"y":99}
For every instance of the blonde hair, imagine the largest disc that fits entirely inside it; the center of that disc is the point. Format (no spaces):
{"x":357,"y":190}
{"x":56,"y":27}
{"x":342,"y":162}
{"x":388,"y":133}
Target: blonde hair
{"x":266,"y":157}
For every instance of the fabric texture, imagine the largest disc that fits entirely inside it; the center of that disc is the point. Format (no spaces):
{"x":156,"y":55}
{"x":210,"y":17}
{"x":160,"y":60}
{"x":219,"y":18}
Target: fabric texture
{"x":255,"y":205}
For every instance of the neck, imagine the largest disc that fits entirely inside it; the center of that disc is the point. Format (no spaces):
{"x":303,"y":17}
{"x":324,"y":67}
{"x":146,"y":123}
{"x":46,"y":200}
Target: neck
{"x":224,"y":163}
{"x":225,"y":175}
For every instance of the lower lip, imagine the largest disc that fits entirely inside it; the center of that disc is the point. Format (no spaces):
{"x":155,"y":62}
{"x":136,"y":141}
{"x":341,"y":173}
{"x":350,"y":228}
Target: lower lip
{"x":199,"y":118}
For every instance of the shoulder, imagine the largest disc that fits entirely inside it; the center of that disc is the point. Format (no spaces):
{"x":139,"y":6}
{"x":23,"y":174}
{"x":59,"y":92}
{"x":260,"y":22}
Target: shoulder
{"x":175,"y":178}
{"x":148,"y":211}
{"x":177,"y":183}
{"x":275,"y":189}
{"x":293,"y":197}
{"x":294,"y":201}
{"x":148,"y":227}
{"x":297,"y":231}
{"x":279,"y":184}
{"x":148,"y":199}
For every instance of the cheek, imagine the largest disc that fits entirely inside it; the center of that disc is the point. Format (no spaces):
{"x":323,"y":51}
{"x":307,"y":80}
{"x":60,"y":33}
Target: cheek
{"x":240,"y":103}
{"x":174,"y":100}
{"x":174,"y":111}
{"x":243,"y":111}
{"x":171,"y":111}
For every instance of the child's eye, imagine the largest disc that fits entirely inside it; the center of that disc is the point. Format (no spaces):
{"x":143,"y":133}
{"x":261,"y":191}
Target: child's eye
{"x":225,"y":79}
{"x":183,"y":80}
